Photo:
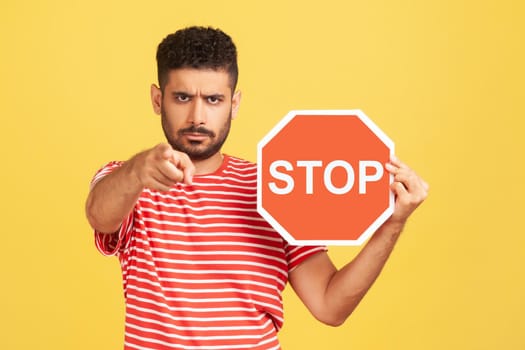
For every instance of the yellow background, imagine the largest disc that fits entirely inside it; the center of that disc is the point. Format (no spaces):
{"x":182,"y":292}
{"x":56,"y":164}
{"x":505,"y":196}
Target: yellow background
{"x":444,"y":79}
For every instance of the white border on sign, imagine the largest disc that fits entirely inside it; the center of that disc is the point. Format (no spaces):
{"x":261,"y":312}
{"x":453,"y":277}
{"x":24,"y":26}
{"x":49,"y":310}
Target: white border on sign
{"x":282,"y":231}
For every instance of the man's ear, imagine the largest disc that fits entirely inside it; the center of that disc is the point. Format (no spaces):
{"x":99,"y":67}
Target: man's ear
{"x":156,"y":98}
{"x":236,"y":101}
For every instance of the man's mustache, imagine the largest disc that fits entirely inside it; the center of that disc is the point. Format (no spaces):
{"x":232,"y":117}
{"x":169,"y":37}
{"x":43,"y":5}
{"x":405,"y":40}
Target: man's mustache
{"x":196,"y":130}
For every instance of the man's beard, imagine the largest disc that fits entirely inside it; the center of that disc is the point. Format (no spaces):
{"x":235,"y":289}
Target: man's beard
{"x":195,"y":150}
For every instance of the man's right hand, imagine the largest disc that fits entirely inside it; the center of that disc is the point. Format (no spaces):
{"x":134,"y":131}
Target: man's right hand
{"x":113,"y":197}
{"x":161,"y":167}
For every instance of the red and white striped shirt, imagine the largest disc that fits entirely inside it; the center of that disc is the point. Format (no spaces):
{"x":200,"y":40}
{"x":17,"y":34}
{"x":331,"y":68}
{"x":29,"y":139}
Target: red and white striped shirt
{"x":201,"y":268}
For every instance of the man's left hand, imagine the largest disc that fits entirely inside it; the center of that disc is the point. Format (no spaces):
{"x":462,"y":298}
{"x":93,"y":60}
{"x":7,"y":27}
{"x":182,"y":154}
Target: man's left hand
{"x":409,"y":189}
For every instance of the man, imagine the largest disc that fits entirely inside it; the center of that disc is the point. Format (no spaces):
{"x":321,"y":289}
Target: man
{"x":201,"y":268}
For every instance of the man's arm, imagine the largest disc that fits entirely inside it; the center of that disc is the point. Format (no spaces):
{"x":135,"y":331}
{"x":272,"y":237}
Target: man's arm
{"x":112,"y":198}
{"x":331,"y":295}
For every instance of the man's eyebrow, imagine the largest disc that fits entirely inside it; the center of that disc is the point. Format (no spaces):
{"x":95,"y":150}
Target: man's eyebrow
{"x":186,"y":94}
{"x":218,"y":96}
{"x":181,"y":93}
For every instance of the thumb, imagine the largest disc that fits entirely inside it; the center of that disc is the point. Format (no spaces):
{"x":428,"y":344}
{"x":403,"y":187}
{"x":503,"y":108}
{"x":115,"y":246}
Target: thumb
{"x":165,"y":151}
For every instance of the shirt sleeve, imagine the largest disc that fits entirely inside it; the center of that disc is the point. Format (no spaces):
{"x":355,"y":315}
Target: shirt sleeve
{"x":295,"y":255}
{"x":110,"y":244}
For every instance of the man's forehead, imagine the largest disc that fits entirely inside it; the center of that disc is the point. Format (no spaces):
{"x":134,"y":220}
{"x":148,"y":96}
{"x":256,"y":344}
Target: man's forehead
{"x":202,"y":79}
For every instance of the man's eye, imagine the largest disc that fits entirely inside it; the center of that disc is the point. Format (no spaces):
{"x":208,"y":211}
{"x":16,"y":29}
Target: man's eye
{"x":213,"y":100}
{"x":182,"y":98}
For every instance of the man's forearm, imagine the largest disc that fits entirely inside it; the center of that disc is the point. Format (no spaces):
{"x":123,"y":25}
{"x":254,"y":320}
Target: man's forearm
{"x":112,"y":199}
{"x":350,"y":284}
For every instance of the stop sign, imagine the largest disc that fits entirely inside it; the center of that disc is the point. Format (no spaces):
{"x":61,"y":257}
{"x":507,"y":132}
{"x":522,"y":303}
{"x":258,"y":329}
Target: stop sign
{"x":321,"y":177}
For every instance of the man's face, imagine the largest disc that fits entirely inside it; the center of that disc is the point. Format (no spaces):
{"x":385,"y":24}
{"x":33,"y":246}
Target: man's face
{"x":197,"y":108}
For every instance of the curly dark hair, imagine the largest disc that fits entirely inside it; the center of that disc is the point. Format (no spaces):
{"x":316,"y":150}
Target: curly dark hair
{"x":197,"y":47}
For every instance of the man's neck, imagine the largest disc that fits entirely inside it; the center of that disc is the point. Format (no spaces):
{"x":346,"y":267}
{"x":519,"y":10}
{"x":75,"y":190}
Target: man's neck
{"x":208,"y":165}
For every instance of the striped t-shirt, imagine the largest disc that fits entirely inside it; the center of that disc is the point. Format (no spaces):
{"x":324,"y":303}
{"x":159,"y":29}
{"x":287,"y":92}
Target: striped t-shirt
{"x":201,"y":268}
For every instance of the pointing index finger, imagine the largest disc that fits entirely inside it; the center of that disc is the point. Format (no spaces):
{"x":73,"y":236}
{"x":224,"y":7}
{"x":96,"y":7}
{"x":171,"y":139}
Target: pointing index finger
{"x":186,"y":165}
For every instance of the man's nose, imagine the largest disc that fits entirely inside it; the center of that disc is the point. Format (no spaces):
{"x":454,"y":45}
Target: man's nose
{"x":197,"y":113}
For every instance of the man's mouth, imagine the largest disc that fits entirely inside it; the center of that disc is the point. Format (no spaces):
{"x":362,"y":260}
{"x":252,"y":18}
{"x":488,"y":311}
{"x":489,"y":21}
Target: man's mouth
{"x":196,"y":133}
{"x":196,"y":136}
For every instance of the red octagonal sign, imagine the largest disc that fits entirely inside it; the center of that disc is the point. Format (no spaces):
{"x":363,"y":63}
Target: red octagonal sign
{"x":321,"y":177}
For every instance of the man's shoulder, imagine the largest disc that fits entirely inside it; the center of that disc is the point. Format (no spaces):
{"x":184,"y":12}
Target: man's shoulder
{"x":239,"y":168}
{"x":240,"y":163}
{"x":105,"y":170}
